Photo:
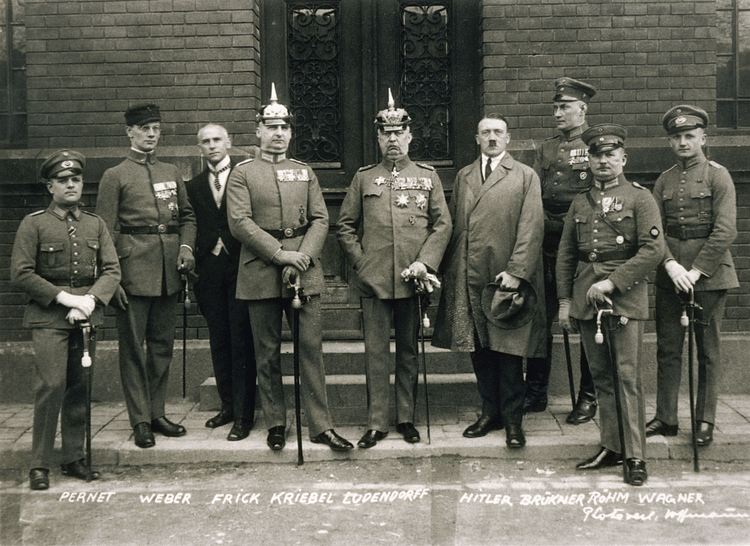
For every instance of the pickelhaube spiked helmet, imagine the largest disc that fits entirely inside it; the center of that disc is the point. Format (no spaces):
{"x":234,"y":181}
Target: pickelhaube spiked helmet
{"x":392,"y":118}
{"x":274,"y":113}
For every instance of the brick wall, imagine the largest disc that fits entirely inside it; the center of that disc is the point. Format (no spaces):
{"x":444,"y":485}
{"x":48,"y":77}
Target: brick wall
{"x":88,"y":60}
{"x":643,"y":57}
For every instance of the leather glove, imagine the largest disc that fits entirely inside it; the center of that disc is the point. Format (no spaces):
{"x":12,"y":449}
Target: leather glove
{"x":75,"y":316}
{"x":84,"y":304}
{"x":298,"y":260}
{"x":119,"y":299}
{"x":679,"y":275}
{"x":185,"y":260}
{"x":597,"y":294}
{"x":508,"y":282}
{"x":564,"y":315}
{"x":416,"y":270}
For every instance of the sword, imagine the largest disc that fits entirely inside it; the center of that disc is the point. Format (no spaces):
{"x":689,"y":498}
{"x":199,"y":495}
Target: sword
{"x":424,"y":323}
{"x":599,"y":338}
{"x":88,"y":333}
{"x":566,"y":340}
{"x":297,"y":303}
{"x":688,"y":319}
{"x":186,"y":303}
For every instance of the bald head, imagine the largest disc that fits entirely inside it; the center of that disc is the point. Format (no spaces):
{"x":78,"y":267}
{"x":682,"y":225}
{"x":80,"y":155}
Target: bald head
{"x":214,"y":142}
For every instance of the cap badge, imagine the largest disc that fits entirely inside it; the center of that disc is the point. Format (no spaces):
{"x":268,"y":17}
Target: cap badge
{"x":680,"y":120}
{"x":66,"y":164}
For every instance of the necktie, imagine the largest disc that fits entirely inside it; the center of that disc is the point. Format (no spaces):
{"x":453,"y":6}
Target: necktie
{"x":217,"y":182}
{"x":488,"y":168}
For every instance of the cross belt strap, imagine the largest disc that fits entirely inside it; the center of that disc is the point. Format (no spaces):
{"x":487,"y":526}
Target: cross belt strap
{"x":604,"y":219}
{"x":682,"y":233}
{"x":288,"y":233}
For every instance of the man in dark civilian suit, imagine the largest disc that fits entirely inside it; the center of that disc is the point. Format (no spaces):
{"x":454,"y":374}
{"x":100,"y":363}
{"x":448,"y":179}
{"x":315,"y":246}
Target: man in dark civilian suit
{"x":217,"y":255}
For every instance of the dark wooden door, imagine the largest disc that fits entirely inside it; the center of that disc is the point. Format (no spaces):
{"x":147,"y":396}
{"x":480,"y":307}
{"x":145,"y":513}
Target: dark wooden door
{"x":333,"y":62}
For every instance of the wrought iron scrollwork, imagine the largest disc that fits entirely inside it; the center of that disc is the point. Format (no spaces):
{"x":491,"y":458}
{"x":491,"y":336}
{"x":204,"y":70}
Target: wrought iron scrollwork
{"x":425,"y":86}
{"x":313,"y":49}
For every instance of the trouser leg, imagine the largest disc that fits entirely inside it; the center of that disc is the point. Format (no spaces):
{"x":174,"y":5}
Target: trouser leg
{"x":377,"y":316}
{"x":265,"y":321}
{"x":131,"y":332}
{"x":670,"y":337}
{"x":160,"y":329}
{"x":406,"y":321}
{"x":488,"y":382}
{"x":73,"y":415}
{"x":708,"y":343}
{"x":511,"y":388}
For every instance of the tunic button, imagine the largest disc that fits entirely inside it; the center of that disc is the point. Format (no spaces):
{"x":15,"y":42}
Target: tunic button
{"x":51,"y":249}
{"x":596,"y":240}
{"x":75,"y":244}
{"x":75,"y":263}
{"x":596,"y":231}
{"x":75,"y":254}
{"x":75,"y":272}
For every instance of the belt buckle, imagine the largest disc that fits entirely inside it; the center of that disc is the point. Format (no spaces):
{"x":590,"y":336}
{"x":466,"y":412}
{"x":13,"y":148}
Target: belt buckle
{"x":288,"y":232}
{"x":161,"y":228}
{"x":593,"y":256}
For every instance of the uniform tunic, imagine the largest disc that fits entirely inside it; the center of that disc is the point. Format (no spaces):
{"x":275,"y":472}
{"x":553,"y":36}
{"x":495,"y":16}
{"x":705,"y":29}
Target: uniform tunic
{"x":562,"y":163}
{"x":61,"y":249}
{"x":272,"y":193}
{"x":144,"y":193}
{"x":394,"y":214}
{"x":584,"y":259}
{"x":698,"y":208}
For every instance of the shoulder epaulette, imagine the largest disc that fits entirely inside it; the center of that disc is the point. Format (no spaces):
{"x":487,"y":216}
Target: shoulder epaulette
{"x":671,"y":168}
{"x":90,"y":213}
{"x":298,"y":161}
{"x":715,"y":164}
{"x":37,"y":212}
{"x":243,"y":162}
{"x":551,"y":138}
{"x":367,"y":167}
{"x":637,"y":185}
{"x":426,"y":166}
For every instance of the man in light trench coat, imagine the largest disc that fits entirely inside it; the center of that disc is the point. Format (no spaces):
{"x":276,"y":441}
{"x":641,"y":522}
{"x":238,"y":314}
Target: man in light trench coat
{"x":498,"y":227}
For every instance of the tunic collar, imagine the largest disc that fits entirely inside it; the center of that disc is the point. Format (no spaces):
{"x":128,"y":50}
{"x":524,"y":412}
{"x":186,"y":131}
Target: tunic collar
{"x":692,"y":162}
{"x":575,"y":132}
{"x":399,"y":164}
{"x":61,"y":211}
{"x":272,"y":158}
{"x":608,"y":185}
{"x":142,"y":157}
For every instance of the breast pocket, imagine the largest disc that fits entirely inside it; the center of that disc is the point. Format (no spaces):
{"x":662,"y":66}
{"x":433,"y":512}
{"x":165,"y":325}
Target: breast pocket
{"x":668,"y":199}
{"x":583,"y":229}
{"x":52,"y":254}
{"x":625,"y":223}
{"x":701,"y":196}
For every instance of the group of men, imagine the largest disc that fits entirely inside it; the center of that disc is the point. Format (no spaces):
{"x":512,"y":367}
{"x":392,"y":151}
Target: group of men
{"x":516,"y":247}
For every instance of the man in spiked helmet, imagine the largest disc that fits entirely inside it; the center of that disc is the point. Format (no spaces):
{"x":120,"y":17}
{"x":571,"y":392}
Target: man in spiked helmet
{"x":276,"y":210}
{"x":394,"y":220}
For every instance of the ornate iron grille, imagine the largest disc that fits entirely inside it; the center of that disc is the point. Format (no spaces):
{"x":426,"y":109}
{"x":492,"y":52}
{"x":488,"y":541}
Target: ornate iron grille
{"x":425,"y":77}
{"x":313,"y":61}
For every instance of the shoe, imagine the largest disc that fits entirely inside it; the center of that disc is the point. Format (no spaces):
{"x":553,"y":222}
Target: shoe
{"x":535,"y":405}
{"x":143,"y":436}
{"x":167,"y":427}
{"x":39,"y":479}
{"x":371,"y":438}
{"x":483,"y":425}
{"x":637,"y":474}
{"x":220,"y":419}
{"x":410,"y":433}
{"x":584,"y":411}
{"x":655,"y":427}
{"x":605,"y":458}
{"x":78,"y":469}
{"x":276,"y":438}
{"x":240,"y":430}
{"x":514,"y":436}
{"x":332,"y":440}
{"x":704,"y":433}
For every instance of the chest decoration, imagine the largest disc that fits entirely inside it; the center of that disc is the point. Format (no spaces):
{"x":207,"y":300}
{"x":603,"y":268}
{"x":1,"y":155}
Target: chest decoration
{"x":611,"y":204}
{"x":165,"y":190}
{"x":292,"y":175}
{"x":402,"y":200}
{"x":579,"y":157}
{"x":421,"y":201}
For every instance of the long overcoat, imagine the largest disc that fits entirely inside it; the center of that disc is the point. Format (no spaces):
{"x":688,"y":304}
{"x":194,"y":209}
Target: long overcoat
{"x":497,"y":226}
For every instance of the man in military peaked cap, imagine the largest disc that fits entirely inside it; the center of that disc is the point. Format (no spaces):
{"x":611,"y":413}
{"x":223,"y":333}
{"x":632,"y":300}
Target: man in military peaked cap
{"x":276,"y":210}
{"x":610,"y":242}
{"x":146,"y":208}
{"x":64,"y":259}
{"x":697,"y":201}
{"x":562,"y":163}
{"x":394,"y":218}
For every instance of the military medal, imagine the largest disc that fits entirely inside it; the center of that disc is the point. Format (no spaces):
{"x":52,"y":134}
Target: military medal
{"x":379,"y":181}
{"x":421,"y":201}
{"x":617,"y":204}
{"x":620,"y":239}
{"x":607,"y":204}
{"x":583,"y":175}
{"x":302,"y":218}
{"x":412,"y":220}
{"x":402,"y":200}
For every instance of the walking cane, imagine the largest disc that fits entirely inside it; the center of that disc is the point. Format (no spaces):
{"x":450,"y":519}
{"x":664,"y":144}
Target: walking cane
{"x":688,"y":319}
{"x":296,"y":306}
{"x":566,"y":340}
{"x":185,"y":304}
{"x":88,"y":334}
{"x":425,"y":323}
{"x":599,"y":338}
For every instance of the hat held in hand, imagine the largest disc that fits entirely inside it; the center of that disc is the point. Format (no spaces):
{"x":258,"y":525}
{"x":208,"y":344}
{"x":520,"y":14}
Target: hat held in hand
{"x":509,"y":310}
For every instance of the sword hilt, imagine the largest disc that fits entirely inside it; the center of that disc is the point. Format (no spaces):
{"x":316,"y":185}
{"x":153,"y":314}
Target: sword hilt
{"x":599,"y":337}
{"x":297,"y":299}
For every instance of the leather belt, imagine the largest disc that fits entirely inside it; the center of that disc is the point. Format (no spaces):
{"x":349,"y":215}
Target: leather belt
{"x":288,"y":233}
{"x":682,"y":233}
{"x":609,"y":255}
{"x":149,"y":230}
{"x":75,"y":283}
{"x":556,"y":208}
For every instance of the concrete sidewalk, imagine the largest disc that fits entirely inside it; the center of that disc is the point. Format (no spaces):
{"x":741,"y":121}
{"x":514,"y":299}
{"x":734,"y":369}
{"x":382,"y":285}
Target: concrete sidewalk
{"x":548,"y":438}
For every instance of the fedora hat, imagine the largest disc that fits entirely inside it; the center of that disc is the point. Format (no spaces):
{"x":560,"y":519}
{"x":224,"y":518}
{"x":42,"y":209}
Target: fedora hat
{"x":509,"y":310}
